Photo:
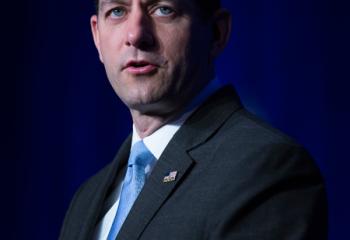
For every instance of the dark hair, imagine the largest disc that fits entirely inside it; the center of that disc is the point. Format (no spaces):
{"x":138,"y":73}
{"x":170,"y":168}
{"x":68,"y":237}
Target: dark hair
{"x":206,"y":7}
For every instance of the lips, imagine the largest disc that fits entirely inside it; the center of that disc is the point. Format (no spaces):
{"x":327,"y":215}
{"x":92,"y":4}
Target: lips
{"x":140,"y":67}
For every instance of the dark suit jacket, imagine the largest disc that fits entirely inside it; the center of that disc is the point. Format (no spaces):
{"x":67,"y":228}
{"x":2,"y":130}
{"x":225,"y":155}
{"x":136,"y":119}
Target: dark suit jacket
{"x":238,"y":179}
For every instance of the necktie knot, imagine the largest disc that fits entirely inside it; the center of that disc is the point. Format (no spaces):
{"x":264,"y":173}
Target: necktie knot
{"x":140,"y":155}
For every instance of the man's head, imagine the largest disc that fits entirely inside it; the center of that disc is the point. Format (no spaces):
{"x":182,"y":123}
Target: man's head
{"x":159,"y":53}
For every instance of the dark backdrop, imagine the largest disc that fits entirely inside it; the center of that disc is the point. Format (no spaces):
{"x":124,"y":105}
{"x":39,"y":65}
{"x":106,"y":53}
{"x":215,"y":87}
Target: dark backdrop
{"x":289,"y":60}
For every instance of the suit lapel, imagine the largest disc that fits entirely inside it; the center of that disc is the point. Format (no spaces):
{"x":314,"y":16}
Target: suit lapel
{"x":195,"y":131}
{"x":102,"y":190}
{"x":208,"y":118}
{"x":155,"y":192}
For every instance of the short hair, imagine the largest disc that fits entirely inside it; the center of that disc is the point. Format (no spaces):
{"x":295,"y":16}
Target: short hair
{"x":206,"y":7}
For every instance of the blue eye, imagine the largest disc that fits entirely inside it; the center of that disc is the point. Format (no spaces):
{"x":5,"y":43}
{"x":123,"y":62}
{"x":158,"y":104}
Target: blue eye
{"x":118,"y":12}
{"x":164,"y":11}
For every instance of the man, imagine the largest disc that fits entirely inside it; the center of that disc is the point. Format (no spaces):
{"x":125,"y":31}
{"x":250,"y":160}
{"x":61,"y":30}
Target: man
{"x":204,"y":167}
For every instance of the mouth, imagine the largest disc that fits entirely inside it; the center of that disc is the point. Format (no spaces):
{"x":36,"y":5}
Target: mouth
{"x":140,"y":67}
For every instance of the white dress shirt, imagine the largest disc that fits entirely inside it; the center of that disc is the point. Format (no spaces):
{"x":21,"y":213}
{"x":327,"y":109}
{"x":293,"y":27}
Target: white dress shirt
{"x":156,"y":143}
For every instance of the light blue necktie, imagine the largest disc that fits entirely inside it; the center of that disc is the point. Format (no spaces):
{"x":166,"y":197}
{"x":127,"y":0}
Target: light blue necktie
{"x":140,"y":157}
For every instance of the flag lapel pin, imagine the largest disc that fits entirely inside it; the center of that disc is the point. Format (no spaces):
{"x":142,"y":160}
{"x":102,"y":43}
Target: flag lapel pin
{"x":170,"y":177}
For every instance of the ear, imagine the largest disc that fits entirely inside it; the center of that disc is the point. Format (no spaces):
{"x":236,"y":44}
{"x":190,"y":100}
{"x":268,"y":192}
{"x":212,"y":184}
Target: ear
{"x":96,"y":34}
{"x":222,"y":22}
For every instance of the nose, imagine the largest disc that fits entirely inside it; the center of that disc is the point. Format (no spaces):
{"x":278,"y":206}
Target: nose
{"x":140,"y":33}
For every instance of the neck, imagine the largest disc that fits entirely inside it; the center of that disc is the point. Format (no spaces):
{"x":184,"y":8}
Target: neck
{"x":147,"y":124}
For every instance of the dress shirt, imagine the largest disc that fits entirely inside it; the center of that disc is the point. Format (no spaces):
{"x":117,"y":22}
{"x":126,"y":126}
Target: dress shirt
{"x":156,"y":143}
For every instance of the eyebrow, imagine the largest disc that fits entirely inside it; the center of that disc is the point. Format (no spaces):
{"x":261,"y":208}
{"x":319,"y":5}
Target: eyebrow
{"x":107,"y":2}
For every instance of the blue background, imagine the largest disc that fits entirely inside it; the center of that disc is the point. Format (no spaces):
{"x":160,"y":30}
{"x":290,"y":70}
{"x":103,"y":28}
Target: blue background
{"x":289,"y":60}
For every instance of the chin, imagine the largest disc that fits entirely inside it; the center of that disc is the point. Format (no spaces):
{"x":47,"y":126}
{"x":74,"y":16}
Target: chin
{"x":152,"y":107}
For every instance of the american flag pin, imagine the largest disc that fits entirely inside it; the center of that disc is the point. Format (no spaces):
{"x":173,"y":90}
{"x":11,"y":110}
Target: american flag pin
{"x":170,"y":177}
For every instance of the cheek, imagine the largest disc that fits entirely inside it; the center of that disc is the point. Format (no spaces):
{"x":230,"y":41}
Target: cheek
{"x":111,"y":42}
{"x":174,"y":41}
{"x":187,"y":44}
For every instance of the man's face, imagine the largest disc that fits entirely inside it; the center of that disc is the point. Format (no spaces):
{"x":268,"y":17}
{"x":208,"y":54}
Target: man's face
{"x":157,"y":53}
